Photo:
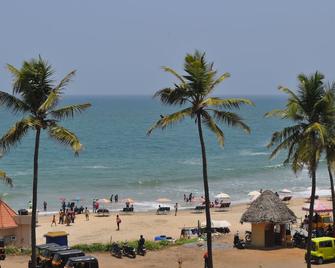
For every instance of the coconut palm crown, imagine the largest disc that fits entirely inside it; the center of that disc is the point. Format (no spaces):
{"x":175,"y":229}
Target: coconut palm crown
{"x":194,"y":90}
{"x":309,"y":109}
{"x":36,"y":97}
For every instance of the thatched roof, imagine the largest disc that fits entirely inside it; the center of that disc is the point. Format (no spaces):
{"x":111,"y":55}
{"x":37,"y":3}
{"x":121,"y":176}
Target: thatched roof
{"x":268,"y":208}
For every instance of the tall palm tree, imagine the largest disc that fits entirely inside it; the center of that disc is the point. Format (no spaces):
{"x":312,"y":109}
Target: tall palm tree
{"x":304,"y":140}
{"x":330,"y":142}
{"x":194,"y":89}
{"x":36,"y":97}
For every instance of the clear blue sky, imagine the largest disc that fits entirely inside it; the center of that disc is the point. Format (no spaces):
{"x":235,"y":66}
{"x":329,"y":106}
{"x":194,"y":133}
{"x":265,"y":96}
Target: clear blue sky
{"x":118,"y":47}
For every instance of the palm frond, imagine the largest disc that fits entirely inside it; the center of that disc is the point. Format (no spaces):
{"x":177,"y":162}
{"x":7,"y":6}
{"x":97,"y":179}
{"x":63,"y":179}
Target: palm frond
{"x":280,"y":136}
{"x":65,"y":137}
{"x":13,"y":103}
{"x":5,"y":179}
{"x":220,"y":79}
{"x":319,"y":131}
{"x":54,"y":95}
{"x":210,"y":123}
{"x":17,"y":132}
{"x":231,"y":119}
{"x":170,"y":119}
{"x":231,"y":103}
{"x":173,"y":72}
{"x":175,"y":96}
{"x":69,"y":111}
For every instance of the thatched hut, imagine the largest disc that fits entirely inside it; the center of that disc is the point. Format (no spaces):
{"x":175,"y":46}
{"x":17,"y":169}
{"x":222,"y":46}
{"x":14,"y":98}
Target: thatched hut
{"x":269,"y":217}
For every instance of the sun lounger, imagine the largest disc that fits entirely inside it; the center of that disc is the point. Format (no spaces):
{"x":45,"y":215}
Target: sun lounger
{"x":163,"y":210}
{"x":103,"y":211}
{"x":200,"y":208}
{"x":130,"y":209}
{"x":286,"y":198}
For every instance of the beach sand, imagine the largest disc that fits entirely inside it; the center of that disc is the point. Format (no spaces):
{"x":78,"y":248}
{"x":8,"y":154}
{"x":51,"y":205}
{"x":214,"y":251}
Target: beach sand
{"x":101,"y":229}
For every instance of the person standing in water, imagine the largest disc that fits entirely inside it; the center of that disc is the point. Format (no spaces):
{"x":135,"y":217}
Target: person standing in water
{"x":175,"y":209}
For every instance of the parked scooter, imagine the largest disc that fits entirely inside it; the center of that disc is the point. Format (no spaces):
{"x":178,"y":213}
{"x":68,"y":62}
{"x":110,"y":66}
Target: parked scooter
{"x":141,"y":251}
{"x":116,"y":250}
{"x":247,"y":237}
{"x":128,"y":251}
{"x":299,"y":240}
{"x":238,"y":243}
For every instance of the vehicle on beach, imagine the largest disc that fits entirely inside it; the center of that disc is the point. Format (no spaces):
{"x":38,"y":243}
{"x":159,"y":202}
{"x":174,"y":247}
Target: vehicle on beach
{"x":116,"y":250}
{"x":128,"y":251}
{"x":60,"y":258}
{"x":323,"y":249}
{"x":82,"y":262}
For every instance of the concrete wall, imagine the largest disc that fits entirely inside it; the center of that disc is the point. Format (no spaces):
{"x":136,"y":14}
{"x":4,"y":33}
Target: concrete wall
{"x":258,"y":235}
{"x":21,"y":233}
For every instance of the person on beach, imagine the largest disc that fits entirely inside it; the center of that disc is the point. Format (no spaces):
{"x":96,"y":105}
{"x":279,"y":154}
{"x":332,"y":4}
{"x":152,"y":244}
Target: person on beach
{"x":87,"y":214}
{"x":111,"y":199}
{"x":53,"y":220}
{"x":185,"y":198}
{"x":206,"y":259}
{"x":63,"y":206}
{"x":118,"y":222}
{"x":45,"y":204}
{"x":30,"y":205}
{"x":175,"y":209}
{"x":93,"y":205}
{"x":116,"y":198}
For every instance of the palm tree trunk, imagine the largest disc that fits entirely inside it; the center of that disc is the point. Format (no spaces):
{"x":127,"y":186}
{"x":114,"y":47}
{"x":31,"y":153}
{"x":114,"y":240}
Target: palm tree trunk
{"x":332,"y":191}
{"x":310,"y":216}
{"x":206,"y":189}
{"x":34,"y":208}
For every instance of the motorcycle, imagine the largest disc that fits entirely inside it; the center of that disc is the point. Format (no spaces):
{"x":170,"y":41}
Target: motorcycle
{"x":238,"y":243}
{"x":299,"y":240}
{"x":247,"y":237}
{"x":116,"y":250}
{"x":141,"y":251}
{"x":128,"y":251}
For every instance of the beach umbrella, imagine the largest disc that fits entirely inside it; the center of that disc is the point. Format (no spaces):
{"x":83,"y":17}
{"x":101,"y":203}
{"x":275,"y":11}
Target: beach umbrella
{"x":319,"y":206}
{"x":218,"y":224}
{"x":103,"y":201}
{"x":253,"y":193}
{"x":199,"y":200}
{"x":222,"y":196}
{"x":163,"y":200}
{"x":128,"y":200}
{"x":285,"y":191}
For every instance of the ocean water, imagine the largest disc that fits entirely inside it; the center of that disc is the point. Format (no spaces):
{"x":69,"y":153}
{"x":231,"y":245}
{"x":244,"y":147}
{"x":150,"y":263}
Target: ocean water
{"x":119,"y":157}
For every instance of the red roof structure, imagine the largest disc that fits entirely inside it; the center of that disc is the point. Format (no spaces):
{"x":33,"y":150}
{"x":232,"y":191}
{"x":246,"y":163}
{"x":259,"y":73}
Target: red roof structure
{"x":7,"y":216}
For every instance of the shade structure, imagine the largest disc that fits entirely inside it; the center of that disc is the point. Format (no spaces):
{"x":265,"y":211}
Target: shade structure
{"x":252,"y":193}
{"x":163,"y":200}
{"x":268,"y":208}
{"x":319,"y":207}
{"x":222,"y":196}
{"x":218,"y":224}
{"x":199,"y":200}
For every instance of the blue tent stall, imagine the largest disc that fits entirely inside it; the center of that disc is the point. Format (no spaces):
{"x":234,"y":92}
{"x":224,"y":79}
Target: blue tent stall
{"x":59,"y":238}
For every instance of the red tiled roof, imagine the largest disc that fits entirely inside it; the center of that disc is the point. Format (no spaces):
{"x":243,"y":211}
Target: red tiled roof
{"x":7,"y":216}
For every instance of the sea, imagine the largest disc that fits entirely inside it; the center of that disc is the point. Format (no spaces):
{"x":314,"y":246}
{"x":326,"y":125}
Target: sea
{"x":119,"y":157}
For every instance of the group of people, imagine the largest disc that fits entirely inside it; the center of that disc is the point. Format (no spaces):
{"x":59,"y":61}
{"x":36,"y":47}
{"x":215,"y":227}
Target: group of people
{"x":188,"y":198}
{"x":115,"y":197}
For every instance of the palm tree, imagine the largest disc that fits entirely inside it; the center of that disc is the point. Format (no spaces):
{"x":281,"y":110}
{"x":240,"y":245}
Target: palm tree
{"x":36,"y":97}
{"x":305,"y":139}
{"x":330,"y":142}
{"x":194,"y":89}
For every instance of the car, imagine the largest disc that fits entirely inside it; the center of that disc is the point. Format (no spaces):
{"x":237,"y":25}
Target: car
{"x":48,"y":254}
{"x":323,"y":249}
{"x":82,"y":262}
{"x":61,"y":257}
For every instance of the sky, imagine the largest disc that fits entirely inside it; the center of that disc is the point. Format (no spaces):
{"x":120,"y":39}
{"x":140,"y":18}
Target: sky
{"x":118,"y":47}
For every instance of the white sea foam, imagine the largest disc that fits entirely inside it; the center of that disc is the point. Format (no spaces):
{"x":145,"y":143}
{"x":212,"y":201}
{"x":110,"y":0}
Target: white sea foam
{"x":192,"y":162}
{"x":96,"y":167}
{"x":251,"y":153}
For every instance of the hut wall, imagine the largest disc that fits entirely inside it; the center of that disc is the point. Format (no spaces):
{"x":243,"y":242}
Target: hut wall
{"x":23,"y":231}
{"x":258,"y":235}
